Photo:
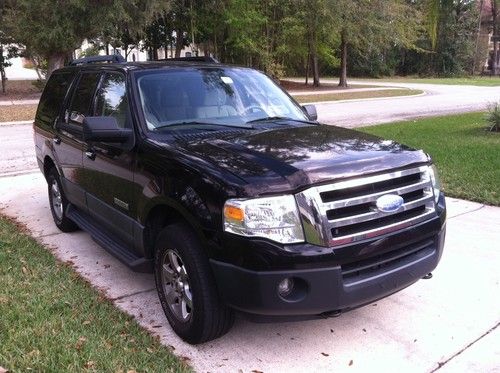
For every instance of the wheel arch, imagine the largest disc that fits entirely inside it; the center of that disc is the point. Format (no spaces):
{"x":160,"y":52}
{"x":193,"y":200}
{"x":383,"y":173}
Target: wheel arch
{"x":160,"y":216}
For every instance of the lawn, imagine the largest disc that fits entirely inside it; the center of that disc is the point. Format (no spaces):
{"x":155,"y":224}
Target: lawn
{"x":485,"y":81}
{"x":356,"y":95}
{"x":9,"y":113}
{"x":20,"y":90}
{"x":467,"y":156}
{"x":53,"y":321}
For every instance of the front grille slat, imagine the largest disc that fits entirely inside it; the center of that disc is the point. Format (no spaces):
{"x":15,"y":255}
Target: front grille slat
{"x":384,"y":259}
{"x":375,"y":214}
{"x":345,"y":212}
{"x":373,"y":197}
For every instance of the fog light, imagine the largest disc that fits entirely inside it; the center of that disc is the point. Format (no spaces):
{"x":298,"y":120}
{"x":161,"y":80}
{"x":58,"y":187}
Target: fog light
{"x":285,"y":287}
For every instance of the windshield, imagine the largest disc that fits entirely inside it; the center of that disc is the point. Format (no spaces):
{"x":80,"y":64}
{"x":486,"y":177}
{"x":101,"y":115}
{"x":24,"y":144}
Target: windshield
{"x":212,"y":96}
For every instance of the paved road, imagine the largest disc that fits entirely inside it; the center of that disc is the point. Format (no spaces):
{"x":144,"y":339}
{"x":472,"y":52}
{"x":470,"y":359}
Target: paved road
{"x":438,"y":100}
{"x":17,"y":153}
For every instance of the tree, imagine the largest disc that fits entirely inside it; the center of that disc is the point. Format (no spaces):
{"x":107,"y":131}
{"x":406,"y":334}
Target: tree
{"x":370,"y":26}
{"x":8,"y":49}
{"x":53,"y":31}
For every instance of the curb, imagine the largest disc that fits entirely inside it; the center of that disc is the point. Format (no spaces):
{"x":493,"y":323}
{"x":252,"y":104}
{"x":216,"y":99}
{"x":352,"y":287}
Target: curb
{"x":15,"y":123}
{"x":364,"y":99}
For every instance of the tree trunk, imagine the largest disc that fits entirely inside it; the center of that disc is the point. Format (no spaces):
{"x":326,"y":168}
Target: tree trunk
{"x":54,"y":62}
{"x":315,"y":69}
{"x":343,"y":60}
{"x":308,"y":63}
{"x":179,"y":43}
{"x":494,"y":14}
{"x":2,"y":69}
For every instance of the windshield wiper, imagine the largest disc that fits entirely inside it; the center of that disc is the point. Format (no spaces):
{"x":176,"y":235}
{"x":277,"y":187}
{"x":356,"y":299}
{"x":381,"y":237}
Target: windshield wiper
{"x":270,"y":119}
{"x":195,"y":122}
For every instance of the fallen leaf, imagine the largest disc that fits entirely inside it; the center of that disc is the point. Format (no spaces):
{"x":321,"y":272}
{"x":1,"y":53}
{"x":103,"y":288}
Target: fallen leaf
{"x":86,"y":322}
{"x":257,"y":371}
{"x":89,"y":364}
{"x":131,"y":371}
{"x":107,"y":265}
{"x":331,"y":330}
{"x":25,"y":270}
{"x":364,"y":330}
{"x":324,"y":354}
{"x":156,"y":326}
{"x":351,"y":362}
{"x":79,"y":344}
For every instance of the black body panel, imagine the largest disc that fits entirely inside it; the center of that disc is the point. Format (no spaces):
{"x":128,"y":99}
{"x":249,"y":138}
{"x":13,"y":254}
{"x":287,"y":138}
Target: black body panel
{"x":118,"y":191}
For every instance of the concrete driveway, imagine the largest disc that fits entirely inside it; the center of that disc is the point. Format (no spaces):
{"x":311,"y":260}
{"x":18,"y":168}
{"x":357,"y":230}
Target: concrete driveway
{"x":446,"y":324}
{"x":438,"y":99}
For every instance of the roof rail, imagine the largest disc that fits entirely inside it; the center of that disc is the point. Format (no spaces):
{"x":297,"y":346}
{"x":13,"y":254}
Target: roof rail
{"x":113,"y":58}
{"x":193,"y":59}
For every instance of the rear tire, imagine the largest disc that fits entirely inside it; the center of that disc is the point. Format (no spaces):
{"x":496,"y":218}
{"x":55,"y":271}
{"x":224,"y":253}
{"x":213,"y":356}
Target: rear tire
{"x":186,"y":287}
{"x":58,"y":203}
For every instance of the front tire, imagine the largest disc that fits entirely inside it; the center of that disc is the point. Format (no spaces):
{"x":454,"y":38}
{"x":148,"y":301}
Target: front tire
{"x":186,"y":287}
{"x":58,"y":203}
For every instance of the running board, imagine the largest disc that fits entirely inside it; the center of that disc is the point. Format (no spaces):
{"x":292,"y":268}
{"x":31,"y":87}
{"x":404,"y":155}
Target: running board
{"x":108,"y":241}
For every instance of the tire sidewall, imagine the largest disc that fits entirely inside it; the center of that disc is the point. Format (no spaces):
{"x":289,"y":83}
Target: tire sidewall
{"x":181,"y":240}
{"x":51,"y":177}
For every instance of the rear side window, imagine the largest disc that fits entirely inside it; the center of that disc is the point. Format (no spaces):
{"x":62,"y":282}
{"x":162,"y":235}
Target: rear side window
{"x":83,"y":96}
{"x":53,"y":97}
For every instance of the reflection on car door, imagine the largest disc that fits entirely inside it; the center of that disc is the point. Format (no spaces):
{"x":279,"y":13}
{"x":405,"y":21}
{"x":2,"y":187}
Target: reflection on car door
{"x":108,"y":168}
{"x":69,"y":138}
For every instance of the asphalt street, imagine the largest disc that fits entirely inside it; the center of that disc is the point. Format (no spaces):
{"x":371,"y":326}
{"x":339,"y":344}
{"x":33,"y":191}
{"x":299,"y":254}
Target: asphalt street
{"x":437,"y":100}
{"x":447,"y":324}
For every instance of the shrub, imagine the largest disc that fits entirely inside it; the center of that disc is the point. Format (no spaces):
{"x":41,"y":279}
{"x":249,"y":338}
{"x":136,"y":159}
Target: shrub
{"x":493,"y":117}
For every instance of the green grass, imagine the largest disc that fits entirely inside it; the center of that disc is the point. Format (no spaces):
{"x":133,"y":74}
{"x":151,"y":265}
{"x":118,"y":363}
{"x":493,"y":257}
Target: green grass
{"x":356,"y":95}
{"x":485,"y":81}
{"x":467,"y":156}
{"x":53,"y":321}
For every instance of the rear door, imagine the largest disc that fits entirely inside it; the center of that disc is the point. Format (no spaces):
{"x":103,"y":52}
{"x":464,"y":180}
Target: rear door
{"x":109,"y":168}
{"x":68,"y":139}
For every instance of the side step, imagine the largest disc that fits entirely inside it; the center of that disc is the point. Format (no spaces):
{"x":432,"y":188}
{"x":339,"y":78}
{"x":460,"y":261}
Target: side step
{"x":109,"y":242}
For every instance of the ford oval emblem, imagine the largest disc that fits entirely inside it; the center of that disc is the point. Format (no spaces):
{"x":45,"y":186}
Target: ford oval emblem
{"x":389,"y":203}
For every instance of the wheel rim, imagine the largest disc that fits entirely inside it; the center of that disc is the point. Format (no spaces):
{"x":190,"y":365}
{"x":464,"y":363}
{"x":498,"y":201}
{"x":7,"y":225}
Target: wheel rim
{"x":175,"y":282}
{"x":57,"y":204}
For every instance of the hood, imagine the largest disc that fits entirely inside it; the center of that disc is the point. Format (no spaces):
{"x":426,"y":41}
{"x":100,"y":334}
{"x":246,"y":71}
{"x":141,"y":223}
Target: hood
{"x":291,"y":158}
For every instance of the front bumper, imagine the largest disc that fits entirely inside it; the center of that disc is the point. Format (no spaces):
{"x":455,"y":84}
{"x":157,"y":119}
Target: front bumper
{"x":328,"y":289}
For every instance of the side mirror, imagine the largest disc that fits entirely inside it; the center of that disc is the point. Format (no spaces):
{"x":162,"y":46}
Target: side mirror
{"x":104,"y":129}
{"x":311,"y":112}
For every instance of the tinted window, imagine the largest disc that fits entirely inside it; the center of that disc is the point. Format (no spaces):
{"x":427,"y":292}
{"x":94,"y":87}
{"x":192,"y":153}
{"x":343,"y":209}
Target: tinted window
{"x":53,"y":96}
{"x":229,"y":96}
{"x":112,"y":99}
{"x":82,"y":97}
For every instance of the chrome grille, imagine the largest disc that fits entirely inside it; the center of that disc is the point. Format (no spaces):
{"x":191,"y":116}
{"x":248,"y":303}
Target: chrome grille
{"x":346,"y":212}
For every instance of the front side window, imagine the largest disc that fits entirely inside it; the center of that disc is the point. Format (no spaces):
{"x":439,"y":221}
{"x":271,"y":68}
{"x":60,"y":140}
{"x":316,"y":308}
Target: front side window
{"x":112,"y":99}
{"x":225,"y":96}
{"x":81,"y":103}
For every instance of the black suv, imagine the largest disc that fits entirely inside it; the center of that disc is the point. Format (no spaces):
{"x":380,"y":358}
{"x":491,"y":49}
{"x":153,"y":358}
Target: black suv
{"x":216,"y":180}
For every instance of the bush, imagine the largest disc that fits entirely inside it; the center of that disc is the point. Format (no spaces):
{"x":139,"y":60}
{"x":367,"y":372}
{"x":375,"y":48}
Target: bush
{"x":493,"y":117}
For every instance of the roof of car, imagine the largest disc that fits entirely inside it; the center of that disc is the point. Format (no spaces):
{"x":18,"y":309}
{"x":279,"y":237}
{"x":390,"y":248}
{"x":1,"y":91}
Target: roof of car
{"x":148,"y":65}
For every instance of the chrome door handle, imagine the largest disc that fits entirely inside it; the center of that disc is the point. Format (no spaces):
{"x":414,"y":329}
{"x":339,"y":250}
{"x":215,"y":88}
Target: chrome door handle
{"x":90,"y":154}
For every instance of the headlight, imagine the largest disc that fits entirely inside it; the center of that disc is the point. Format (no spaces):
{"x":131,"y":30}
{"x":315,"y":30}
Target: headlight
{"x":275,"y":218}
{"x":436,"y":183}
